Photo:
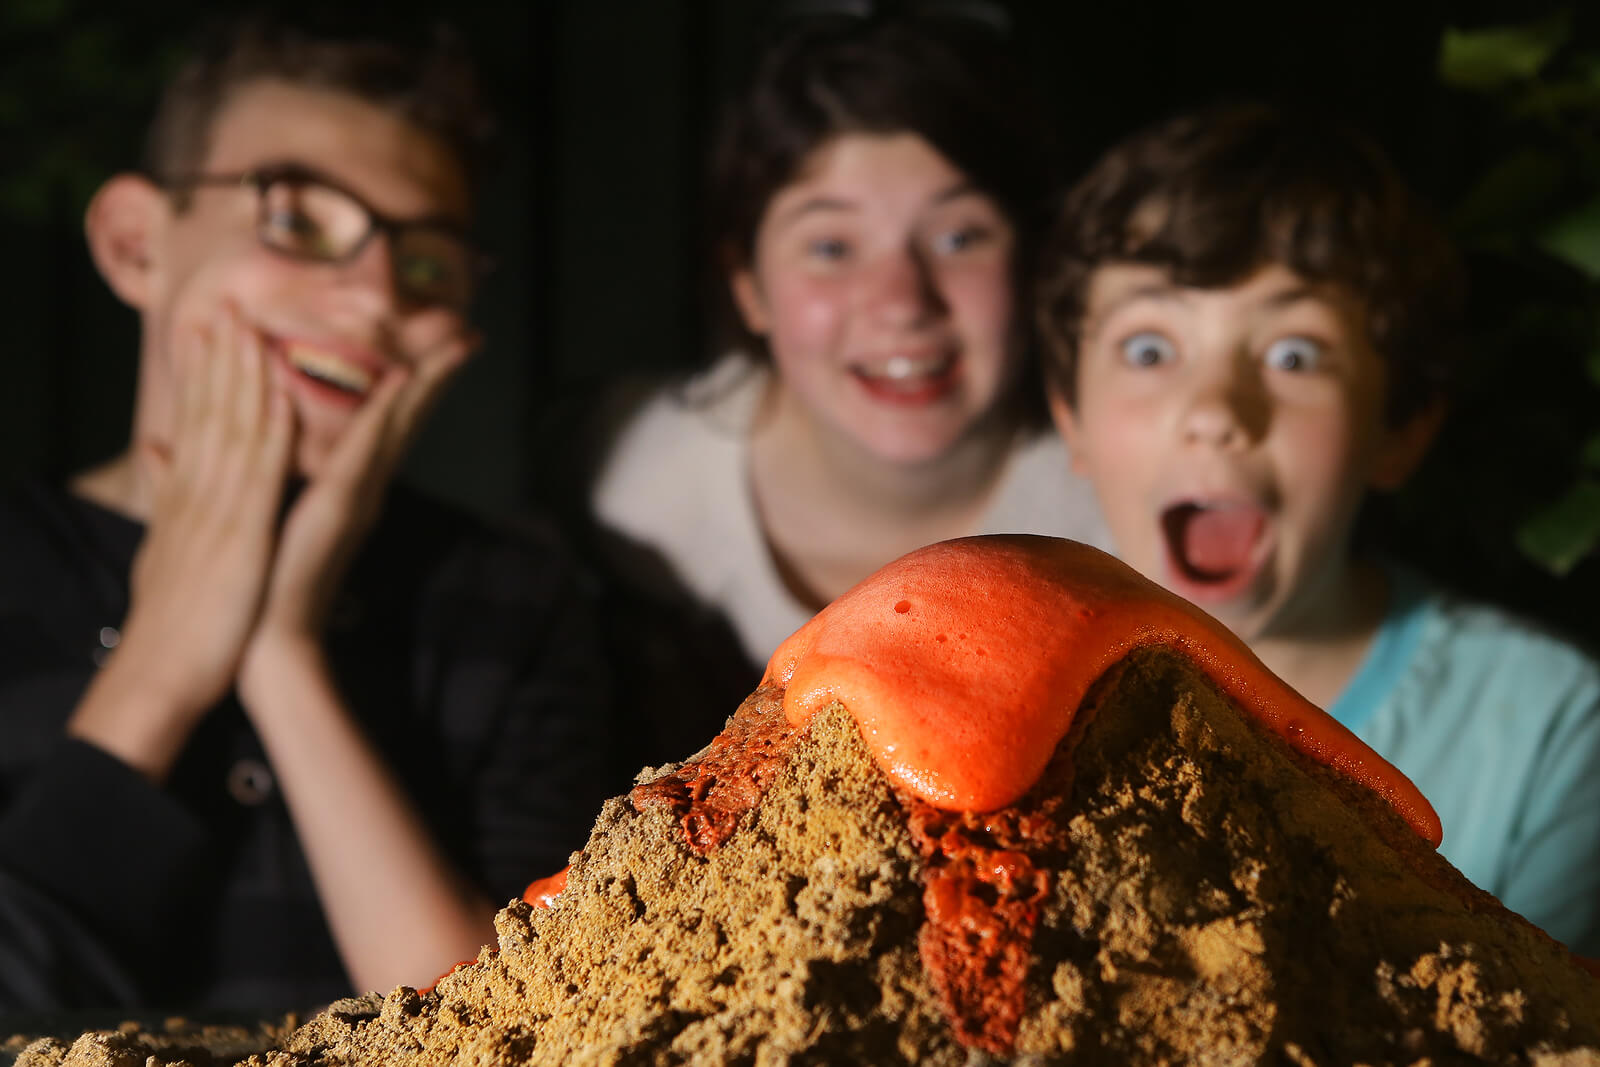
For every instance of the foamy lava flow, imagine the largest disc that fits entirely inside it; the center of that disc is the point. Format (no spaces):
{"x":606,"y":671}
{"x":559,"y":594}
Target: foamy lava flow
{"x":965,"y":662}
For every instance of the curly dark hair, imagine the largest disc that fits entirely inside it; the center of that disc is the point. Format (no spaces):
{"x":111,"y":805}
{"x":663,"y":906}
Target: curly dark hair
{"x":1212,"y":195}
{"x":418,"y":71}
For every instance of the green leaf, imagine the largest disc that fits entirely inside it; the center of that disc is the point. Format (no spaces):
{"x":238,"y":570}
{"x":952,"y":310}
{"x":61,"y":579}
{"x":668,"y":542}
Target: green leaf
{"x":1513,"y":195}
{"x":1591,"y":453}
{"x":1560,"y":536}
{"x":1587,"y":68}
{"x":1492,"y":58}
{"x":1554,"y":101}
{"x":31,"y":14}
{"x":1575,"y":238}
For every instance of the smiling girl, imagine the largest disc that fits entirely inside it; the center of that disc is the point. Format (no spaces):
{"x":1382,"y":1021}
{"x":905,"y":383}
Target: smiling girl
{"x":876,"y":190}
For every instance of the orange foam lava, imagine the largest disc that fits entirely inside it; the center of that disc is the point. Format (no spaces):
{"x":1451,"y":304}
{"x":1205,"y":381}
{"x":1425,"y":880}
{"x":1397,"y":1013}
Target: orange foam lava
{"x":964,"y":663}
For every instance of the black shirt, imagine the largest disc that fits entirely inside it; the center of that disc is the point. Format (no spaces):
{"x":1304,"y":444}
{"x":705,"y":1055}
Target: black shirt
{"x":466,"y":653}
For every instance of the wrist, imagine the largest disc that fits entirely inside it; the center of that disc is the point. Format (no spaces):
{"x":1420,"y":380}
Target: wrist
{"x":130,"y":713}
{"x":278,"y":663}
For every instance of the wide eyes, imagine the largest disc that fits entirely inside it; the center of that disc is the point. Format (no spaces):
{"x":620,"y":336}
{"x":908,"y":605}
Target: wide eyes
{"x":1148,"y":350}
{"x":959,"y":239}
{"x":294,"y":229}
{"x":951,"y":242}
{"x":1292,"y":354}
{"x":1296,"y":354}
{"x":827,"y":249}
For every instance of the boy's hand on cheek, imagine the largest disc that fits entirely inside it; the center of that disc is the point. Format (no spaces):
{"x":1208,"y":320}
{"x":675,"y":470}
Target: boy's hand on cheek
{"x":332,"y":515}
{"x":200,"y":574}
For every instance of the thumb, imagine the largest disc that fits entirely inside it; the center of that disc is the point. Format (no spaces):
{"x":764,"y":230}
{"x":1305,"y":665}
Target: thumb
{"x":427,"y":385}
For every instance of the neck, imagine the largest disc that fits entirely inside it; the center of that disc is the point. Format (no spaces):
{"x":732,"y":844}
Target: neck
{"x":793,"y":453}
{"x":833,"y":513}
{"x":1320,"y":649}
{"x":120,"y":483}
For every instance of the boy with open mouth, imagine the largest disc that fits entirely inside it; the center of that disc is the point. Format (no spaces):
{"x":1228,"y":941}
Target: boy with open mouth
{"x":1251,"y":323}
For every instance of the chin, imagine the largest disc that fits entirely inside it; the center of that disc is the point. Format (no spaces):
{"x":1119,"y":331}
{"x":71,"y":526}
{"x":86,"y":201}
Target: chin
{"x":913,"y":446}
{"x":1244,"y":612}
{"x":909,"y":457}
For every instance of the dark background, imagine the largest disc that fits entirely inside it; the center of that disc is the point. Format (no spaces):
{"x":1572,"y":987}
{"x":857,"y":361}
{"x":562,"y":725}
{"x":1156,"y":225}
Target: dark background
{"x":609,"y":106}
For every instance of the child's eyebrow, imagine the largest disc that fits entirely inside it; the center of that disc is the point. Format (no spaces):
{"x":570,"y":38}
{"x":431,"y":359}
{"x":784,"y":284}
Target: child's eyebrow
{"x":1296,"y":295}
{"x":1166,"y":292}
{"x":957,"y":191}
{"x":812,"y":206}
{"x":824,"y":202}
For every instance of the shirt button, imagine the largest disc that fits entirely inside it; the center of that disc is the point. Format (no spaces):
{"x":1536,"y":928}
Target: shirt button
{"x":110,"y":637}
{"x":250,"y":782}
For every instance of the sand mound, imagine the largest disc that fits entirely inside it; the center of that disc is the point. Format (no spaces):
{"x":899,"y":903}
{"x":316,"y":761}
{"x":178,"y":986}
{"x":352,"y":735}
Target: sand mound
{"x":1180,"y":884}
{"x":1209,"y":896}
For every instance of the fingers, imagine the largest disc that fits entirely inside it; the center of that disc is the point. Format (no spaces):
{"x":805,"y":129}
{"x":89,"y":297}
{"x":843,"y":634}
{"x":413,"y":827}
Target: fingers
{"x":210,"y":449}
{"x":417,"y":396}
{"x":434,"y":371}
{"x":392,"y":413}
{"x":357,"y":458}
{"x":201,"y":572}
{"x":263,"y":410}
{"x":192,"y":388}
{"x":232,"y":429}
{"x":330,"y":518}
{"x":154,"y":462}
{"x":250,"y":385}
{"x":155,"y":459}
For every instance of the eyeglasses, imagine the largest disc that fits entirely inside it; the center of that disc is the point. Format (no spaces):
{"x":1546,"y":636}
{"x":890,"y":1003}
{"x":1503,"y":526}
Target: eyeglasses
{"x":306,"y":215}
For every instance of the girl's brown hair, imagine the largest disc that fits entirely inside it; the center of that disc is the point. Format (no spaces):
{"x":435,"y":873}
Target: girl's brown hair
{"x":954,"y":82}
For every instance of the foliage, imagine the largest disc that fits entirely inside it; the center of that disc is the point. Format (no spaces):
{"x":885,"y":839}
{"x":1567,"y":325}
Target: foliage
{"x":1534,"y":211}
{"x":73,"y":94}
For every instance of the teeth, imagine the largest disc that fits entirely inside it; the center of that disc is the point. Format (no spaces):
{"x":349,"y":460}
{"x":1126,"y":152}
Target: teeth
{"x":327,"y":367}
{"x":900,"y":368}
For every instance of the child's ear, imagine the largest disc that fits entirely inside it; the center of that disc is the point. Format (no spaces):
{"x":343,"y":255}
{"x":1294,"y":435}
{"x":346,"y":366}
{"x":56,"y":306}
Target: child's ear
{"x":1403,"y":447}
{"x":123,"y":223}
{"x":1066,"y":421}
{"x":748,"y":299}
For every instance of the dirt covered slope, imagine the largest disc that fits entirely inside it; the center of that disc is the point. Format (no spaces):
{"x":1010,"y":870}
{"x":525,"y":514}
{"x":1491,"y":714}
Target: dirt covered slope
{"x":1208,"y":896}
{"x":1203,"y":895}
{"x":1186,"y":880}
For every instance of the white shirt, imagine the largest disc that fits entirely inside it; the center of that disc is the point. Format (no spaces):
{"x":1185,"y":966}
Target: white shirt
{"x":677,"y":479}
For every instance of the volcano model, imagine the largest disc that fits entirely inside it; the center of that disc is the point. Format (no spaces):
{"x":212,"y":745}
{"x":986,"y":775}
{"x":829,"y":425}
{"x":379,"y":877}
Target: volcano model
{"x":1004,"y":802}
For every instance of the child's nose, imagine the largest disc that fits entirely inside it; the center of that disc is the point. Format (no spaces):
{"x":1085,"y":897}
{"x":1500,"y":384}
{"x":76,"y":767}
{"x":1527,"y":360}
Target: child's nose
{"x":1227,"y":410}
{"x":369,"y":280}
{"x":901,"y":289}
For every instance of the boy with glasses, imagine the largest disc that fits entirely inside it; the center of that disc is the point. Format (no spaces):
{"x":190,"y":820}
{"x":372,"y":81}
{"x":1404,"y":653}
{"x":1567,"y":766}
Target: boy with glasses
{"x":273,"y":729}
{"x":304,"y":214}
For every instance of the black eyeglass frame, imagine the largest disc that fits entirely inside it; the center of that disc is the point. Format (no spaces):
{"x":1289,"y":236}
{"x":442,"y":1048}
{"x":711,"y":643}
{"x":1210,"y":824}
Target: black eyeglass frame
{"x":260,"y":179}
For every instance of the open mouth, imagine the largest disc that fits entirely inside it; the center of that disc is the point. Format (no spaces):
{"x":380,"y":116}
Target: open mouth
{"x":327,"y":369}
{"x":1213,"y":542}
{"x":906,"y":379}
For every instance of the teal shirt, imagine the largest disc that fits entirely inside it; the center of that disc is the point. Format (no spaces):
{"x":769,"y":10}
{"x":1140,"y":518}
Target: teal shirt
{"x":1498,"y":723}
